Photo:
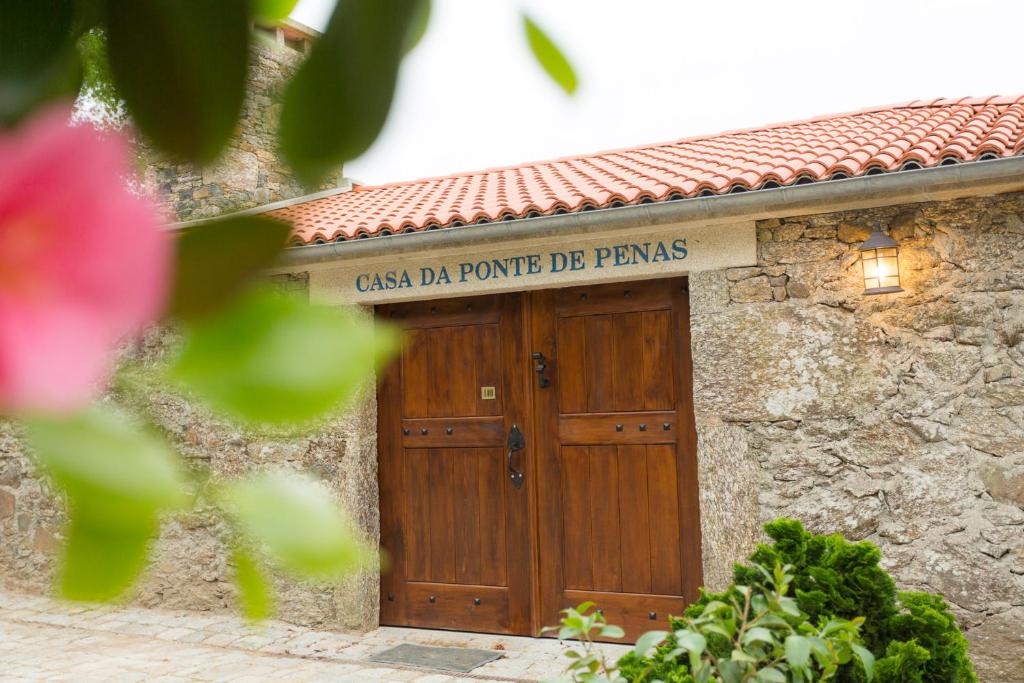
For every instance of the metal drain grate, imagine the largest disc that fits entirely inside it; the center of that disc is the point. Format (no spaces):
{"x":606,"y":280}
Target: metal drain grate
{"x":459,"y":659}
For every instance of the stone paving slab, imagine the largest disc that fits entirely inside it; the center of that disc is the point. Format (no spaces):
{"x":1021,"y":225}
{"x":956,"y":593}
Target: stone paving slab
{"x":42,"y":639}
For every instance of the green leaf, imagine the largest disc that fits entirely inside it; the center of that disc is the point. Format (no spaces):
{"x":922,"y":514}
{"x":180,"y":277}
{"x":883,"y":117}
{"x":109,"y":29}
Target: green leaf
{"x":118,"y":479}
{"x":38,"y":61}
{"x":215,"y":259}
{"x":272,"y":11}
{"x":758,"y":634}
{"x":107,"y":465}
{"x":770,"y":675}
{"x":550,"y":57}
{"x":648,"y":640}
{"x":690,"y":641}
{"x":276,"y":359}
{"x":866,"y":659}
{"x":181,"y":66}
{"x":335,"y":106}
{"x":254,"y":591}
{"x":418,"y":28}
{"x":612,"y":631}
{"x":298,"y":523}
{"x":798,"y":651}
{"x":102,"y":560}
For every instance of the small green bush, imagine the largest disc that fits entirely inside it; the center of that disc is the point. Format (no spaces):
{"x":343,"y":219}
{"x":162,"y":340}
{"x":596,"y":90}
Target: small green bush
{"x":759,"y":634}
{"x":913,"y":636}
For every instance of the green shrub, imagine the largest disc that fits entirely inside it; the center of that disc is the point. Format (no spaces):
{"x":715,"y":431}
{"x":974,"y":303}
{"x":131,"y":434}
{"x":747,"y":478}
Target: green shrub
{"x":913,"y":636}
{"x":757,"y":633}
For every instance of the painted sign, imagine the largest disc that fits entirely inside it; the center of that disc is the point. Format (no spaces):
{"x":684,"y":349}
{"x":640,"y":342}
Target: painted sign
{"x":533,"y":264}
{"x":479,"y":271}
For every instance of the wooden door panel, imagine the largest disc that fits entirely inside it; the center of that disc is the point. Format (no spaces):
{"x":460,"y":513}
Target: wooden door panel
{"x":620,"y":519}
{"x":457,"y":607}
{"x":634,"y":612}
{"x":455,"y":530}
{"x":617,"y":461}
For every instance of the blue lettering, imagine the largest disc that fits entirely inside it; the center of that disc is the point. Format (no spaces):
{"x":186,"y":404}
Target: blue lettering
{"x":679,"y":250}
{"x":641,"y":252}
{"x":601,"y":253}
{"x":443,"y":278}
{"x":362,"y":282}
{"x":465,"y":268}
{"x":576,"y":260}
{"x":427,"y":276}
{"x":661,"y":253}
{"x":559,"y":262}
{"x":620,"y":254}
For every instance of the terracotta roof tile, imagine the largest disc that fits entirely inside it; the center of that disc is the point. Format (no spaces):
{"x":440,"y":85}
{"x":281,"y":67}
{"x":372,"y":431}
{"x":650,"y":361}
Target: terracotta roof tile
{"x":926,"y":133}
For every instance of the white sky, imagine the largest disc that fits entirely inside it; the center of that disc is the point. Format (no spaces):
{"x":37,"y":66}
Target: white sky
{"x":471,"y":97}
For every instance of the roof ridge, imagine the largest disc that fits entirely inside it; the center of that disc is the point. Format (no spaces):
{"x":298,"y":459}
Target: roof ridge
{"x":911,"y":104}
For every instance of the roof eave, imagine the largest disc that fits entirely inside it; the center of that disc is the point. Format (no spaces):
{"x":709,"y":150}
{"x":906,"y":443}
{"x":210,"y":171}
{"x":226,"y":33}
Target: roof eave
{"x":900,"y":187}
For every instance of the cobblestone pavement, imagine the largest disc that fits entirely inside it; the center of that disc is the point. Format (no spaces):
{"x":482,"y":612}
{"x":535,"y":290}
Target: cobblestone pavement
{"x":46,"y":640}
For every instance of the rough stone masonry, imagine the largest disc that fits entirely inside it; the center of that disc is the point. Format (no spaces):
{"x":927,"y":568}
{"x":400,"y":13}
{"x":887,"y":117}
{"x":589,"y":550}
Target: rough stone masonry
{"x":898,"y":419}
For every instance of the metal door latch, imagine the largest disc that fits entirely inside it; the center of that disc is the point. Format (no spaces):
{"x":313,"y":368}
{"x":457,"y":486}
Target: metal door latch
{"x":516,"y":442}
{"x":542,"y":381}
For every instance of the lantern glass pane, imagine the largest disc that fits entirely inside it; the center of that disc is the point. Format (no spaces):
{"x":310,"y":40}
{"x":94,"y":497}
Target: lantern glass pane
{"x":881,"y":268}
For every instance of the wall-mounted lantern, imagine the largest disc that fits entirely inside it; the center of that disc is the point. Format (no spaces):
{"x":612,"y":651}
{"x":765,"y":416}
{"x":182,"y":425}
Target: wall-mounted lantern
{"x":880,"y":258}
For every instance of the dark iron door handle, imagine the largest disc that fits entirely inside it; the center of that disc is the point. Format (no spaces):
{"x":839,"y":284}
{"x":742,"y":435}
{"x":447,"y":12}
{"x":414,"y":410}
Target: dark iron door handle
{"x":516,"y":442}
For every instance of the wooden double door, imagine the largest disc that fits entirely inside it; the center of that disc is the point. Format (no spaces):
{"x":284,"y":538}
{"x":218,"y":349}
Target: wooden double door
{"x":537,"y":450}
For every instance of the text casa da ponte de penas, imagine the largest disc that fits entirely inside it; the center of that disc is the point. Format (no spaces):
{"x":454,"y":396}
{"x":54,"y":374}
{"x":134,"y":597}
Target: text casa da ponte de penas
{"x":524,"y":265}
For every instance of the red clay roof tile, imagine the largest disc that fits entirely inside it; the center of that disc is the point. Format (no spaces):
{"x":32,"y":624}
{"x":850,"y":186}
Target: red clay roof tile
{"x":924,"y":132}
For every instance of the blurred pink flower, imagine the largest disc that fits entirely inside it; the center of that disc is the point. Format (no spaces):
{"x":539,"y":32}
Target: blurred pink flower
{"x":83,"y":262}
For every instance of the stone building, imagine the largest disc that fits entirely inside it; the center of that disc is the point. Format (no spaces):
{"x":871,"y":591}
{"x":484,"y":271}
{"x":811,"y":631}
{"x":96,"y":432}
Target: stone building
{"x":618,"y":366}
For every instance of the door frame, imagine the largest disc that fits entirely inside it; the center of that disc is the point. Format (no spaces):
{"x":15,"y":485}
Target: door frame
{"x":530,"y":401}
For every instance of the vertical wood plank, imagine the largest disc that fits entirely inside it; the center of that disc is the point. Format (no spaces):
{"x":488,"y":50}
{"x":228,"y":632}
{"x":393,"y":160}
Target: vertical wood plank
{"x":600,"y":388}
{"x":491,"y":494}
{"x":604,"y":519}
{"x":417,"y":518}
{"x":627,"y":361}
{"x":439,"y":397}
{"x":576,"y":503}
{"x":658,"y":365}
{"x":487,"y":351}
{"x":462,"y":373}
{"x":415,"y":378}
{"x":442,"y":515}
{"x":468,"y":549}
{"x":663,"y":507}
{"x":571,"y":374}
{"x":634,"y":517}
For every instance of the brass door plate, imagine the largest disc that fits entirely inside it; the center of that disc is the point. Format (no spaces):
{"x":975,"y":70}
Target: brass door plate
{"x":488,"y":393}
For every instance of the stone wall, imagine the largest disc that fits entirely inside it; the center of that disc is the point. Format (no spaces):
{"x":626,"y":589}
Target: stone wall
{"x":250,"y":171}
{"x":894,"y":418}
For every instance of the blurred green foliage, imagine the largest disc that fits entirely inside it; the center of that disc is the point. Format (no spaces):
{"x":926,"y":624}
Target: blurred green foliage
{"x":550,"y":56}
{"x":295,"y":519}
{"x":216,"y":259}
{"x":119,"y":479}
{"x":272,"y":358}
{"x":179,"y":70}
{"x":337,"y":103}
